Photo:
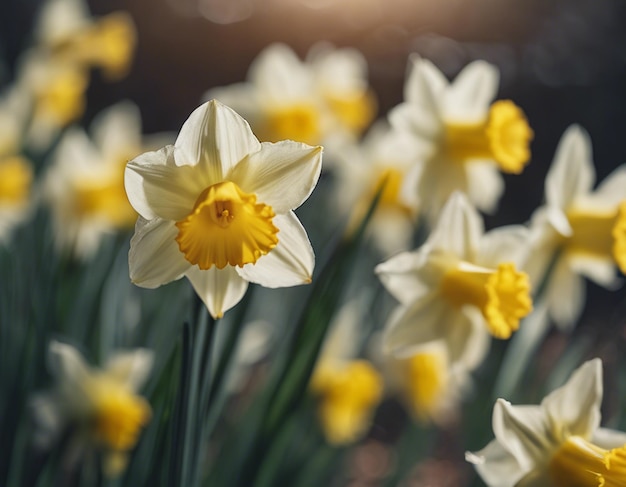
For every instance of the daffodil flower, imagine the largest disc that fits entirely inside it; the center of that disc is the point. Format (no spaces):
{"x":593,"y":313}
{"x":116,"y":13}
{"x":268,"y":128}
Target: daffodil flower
{"x":85,"y":184}
{"x":459,"y":287}
{"x":580,"y":232}
{"x":464,"y":138}
{"x":387,"y":157}
{"x":556,"y":444}
{"x":216,"y":207}
{"x":326,"y":97}
{"x":100,"y":405}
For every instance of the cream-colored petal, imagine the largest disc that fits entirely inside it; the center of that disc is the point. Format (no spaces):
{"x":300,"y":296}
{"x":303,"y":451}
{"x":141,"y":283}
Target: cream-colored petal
{"x":290,"y":263}
{"x":424,"y":124}
{"x":130,"y":368}
{"x":597,"y":269}
{"x":495,"y":465}
{"x":425,"y":84}
{"x":485,"y":185}
{"x":574,"y":408}
{"x":467,"y":337}
{"x":612,"y":190}
{"x":401,"y":276}
{"x":219,"y":289}
{"x":281,"y":174}
{"x":214,"y":138}
{"x":572,"y":172}
{"x":523,"y":432}
{"x":608,"y":438}
{"x":117,"y":130}
{"x":66,"y":363}
{"x":503,"y":244}
{"x":565,"y":295}
{"x":154,"y":258}
{"x":157,"y":188}
{"x":470,"y":94}
{"x":459,"y":229}
{"x":410,"y":327}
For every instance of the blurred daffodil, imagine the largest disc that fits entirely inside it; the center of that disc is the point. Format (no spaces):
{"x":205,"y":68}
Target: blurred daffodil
{"x":464,"y":138}
{"x":556,"y":444}
{"x":100,"y":407}
{"x":348,"y":388}
{"x":461,"y":284}
{"x":67,"y":32}
{"x":85,"y":184}
{"x":326,"y":97}
{"x":580,"y":232}
{"x":386,"y":157}
{"x":216,"y":207}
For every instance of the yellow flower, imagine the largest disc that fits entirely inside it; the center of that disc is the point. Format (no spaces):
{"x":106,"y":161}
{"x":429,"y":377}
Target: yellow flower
{"x":101,"y":406}
{"x":461,"y":284}
{"x":464,"y":138}
{"x":217,"y":207}
{"x":556,"y":444}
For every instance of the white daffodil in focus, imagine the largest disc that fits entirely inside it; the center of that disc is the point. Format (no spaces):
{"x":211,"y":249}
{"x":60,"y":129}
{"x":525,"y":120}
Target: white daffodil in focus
{"x":580,"y":232}
{"x":84,"y":186}
{"x":325,"y":97}
{"x":348,"y":388}
{"x":556,"y":444}
{"x":465,"y":138}
{"x":386,"y":157}
{"x":459,"y":287}
{"x":217,"y":207}
{"x":100,"y":406}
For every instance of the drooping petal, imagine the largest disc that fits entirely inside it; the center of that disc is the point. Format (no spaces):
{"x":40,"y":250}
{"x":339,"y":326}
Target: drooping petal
{"x":503,"y":244}
{"x":157,"y":188}
{"x":215,"y":138}
{"x":467,"y":337}
{"x":154,"y":257}
{"x":522,"y":431}
{"x":131,"y":368}
{"x":66,"y":363}
{"x":472,"y":91}
{"x":290,"y":263}
{"x":118,"y":129}
{"x":281,"y":174}
{"x":598,"y":269}
{"x":401,"y":277}
{"x":496,"y":466}
{"x":410,"y":327}
{"x":572,"y":172}
{"x":459,"y":229}
{"x":565,"y":295}
{"x":485,"y":185}
{"x":425,"y":84}
{"x":574,"y":409}
{"x":219,"y":289}
{"x":608,"y":438}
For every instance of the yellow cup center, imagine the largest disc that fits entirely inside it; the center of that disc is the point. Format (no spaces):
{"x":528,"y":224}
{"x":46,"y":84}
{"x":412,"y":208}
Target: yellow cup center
{"x":299,"y":122}
{"x":226,"y":227}
{"x":579,"y":463}
{"x":61,"y":99}
{"x":503,"y":295}
{"x":505,"y":136}
{"x":119,"y":414}
{"x":355,"y":111}
{"x":426,"y":377}
{"x":16,"y":177}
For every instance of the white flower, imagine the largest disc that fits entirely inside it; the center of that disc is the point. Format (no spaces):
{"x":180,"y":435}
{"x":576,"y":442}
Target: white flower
{"x":388,"y":156}
{"x":100,"y":405}
{"x":216,"y":207}
{"x":85,"y":184}
{"x":324,"y":98}
{"x":460,"y":284}
{"x":580,"y":232}
{"x":556,"y":444}
{"x":464,"y":138}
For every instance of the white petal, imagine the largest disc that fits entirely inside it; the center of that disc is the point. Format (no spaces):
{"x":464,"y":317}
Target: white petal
{"x":459,"y":229}
{"x":572,"y":173}
{"x":522,"y":431}
{"x":156,"y":187}
{"x":467,"y":337}
{"x":66,"y":363}
{"x":485,"y":185}
{"x":612,"y":190}
{"x":131,"y":368}
{"x":424,"y":124}
{"x":599,"y":270}
{"x":281,"y":175}
{"x":219,"y":289}
{"x":425,"y":84}
{"x":290,"y":263}
{"x":117,"y":129}
{"x":410,"y":327}
{"x":574,"y":409}
{"x":608,"y":438}
{"x":471,"y":92}
{"x":496,"y":466}
{"x":565,"y":295}
{"x":154,"y":257}
{"x":401,"y":277}
{"x":215,"y":138}
{"x":503,"y":244}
